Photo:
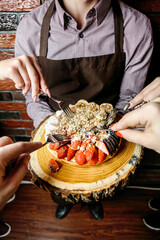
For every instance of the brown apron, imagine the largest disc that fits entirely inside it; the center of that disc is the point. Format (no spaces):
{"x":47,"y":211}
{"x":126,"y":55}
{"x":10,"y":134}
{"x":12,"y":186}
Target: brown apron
{"x":95,"y":79}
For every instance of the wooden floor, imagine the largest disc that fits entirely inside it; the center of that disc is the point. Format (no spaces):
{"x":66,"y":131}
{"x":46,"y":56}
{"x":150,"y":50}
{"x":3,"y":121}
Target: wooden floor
{"x":32,"y":214}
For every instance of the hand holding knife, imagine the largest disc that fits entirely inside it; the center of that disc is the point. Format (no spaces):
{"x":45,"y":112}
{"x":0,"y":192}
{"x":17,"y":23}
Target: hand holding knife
{"x":123,"y":124}
{"x":127,"y":107}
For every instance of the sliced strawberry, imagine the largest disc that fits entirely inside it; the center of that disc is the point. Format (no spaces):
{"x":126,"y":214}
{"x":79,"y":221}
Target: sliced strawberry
{"x":53,"y":165}
{"x":89,"y":152}
{"x":101,"y":145}
{"x":85,"y":143}
{"x":54,"y":146}
{"x":62,"y":152}
{"x":70,"y":154}
{"x":76,"y":144}
{"x":80,"y":157}
{"x":101,"y":156}
{"x":94,"y":159}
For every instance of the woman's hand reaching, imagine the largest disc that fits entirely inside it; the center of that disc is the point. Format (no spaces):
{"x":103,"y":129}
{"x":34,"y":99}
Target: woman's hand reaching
{"x":18,"y":152}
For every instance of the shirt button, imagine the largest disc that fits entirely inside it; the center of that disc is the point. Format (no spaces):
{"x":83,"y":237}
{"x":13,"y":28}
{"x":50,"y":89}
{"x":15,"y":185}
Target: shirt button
{"x":81,"y":35}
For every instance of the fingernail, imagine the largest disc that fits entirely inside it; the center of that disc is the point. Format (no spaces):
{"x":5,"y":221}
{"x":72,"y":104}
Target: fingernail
{"x":27,"y":158}
{"x":24,"y":92}
{"x":35,"y":98}
{"x":48,"y":92}
{"x":130,"y":105}
{"x":119,"y":134}
{"x":112,"y":125}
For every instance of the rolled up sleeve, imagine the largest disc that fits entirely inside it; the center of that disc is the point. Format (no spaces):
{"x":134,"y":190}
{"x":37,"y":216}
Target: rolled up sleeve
{"x":38,"y":110}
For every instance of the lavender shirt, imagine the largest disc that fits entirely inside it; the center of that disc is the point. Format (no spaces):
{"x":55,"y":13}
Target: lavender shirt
{"x":64,"y":43}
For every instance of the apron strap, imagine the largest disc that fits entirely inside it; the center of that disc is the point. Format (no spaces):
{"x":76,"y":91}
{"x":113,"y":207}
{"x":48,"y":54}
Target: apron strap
{"x":45,"y":30}
{"x":118,"y":28}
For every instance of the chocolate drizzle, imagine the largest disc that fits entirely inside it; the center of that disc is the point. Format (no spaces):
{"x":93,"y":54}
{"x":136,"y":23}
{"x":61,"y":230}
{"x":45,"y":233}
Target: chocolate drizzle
{"x":112,"y":143}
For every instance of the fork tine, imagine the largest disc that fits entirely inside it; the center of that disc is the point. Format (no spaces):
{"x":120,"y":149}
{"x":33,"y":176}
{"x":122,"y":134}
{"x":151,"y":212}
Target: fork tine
{"x":64,"y":110}
{"x":62,"y":105}
{"x":52,"y":138}
{"x":57,"y":138}
{"x":68,"y":111}
{"x":60,"y":137}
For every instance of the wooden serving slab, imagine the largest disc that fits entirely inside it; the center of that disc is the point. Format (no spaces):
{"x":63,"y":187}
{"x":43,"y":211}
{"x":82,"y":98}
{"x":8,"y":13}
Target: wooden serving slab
{"x":74,"y":183}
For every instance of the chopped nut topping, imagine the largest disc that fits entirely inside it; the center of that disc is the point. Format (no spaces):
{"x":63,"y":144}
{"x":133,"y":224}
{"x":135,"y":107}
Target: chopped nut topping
{"x":85,"y":116}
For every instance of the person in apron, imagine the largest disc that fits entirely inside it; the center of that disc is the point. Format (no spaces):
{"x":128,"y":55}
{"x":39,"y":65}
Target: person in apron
{"x":94,"y":78}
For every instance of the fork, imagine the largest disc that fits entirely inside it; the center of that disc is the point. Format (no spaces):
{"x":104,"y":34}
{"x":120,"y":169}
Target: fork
{"x":116,"y":110}
{"x":62,"y":105}
{"x":110,"y":130}
{"x":53,"y":138}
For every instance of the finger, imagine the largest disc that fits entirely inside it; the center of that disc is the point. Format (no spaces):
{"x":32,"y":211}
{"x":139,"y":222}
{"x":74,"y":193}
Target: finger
{"x":153,"y":94}
{"x":13,"y":151}
{"x":25,"y":76}
{"x":16,"y":175}
{"x":145,"y":138}
{"x":19,"y":74}
{"x":34,"y":77}
{"x":13,"y":72}
{"x":135,"y":136}
{"x":5,"y":141}
{"x":17,"y":79}
{"x":43,"y":84}
{"x":156,"y":99}
{"x":131,"y":119}
{"x":146,"y":94}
